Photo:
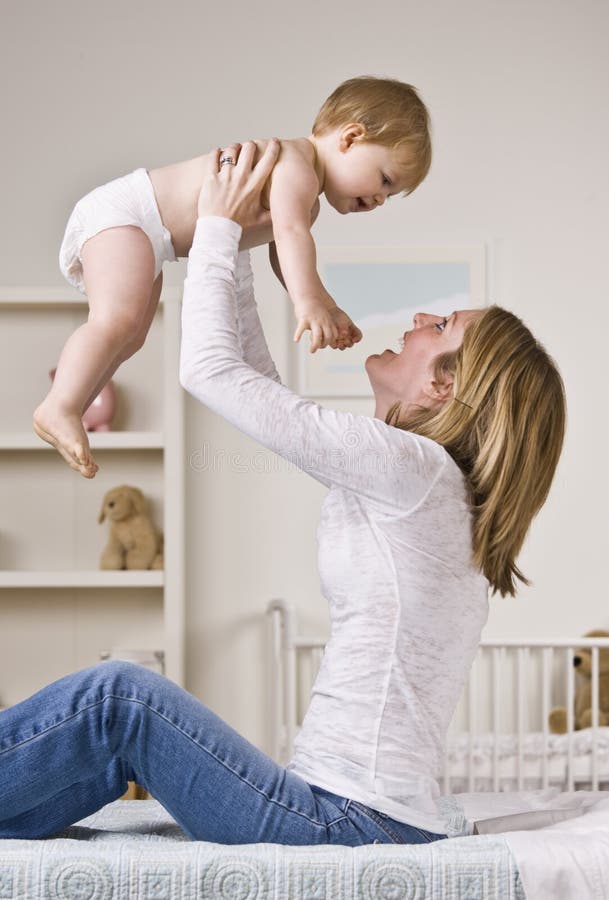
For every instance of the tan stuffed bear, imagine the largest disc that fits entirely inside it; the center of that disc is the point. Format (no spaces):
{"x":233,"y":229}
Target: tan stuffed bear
{"x":582,"y":660}
{"x":134,"y":541}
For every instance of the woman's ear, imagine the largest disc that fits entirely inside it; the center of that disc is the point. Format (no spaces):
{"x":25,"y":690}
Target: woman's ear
{"x":440,"y":391}
{"x":350,"y":134}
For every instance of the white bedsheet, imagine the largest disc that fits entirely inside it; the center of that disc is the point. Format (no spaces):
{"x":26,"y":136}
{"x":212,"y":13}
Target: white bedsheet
{"x":566,"y":861}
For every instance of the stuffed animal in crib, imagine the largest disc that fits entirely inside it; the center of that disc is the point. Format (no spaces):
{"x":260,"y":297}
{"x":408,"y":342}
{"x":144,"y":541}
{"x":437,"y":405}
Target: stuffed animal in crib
{"x":134,"y":542}
{"x":582,"y":660}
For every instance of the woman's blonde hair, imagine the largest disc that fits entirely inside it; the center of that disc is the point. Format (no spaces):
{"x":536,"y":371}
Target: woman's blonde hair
{"x":393,"y":115}
{"x":504,"y":428}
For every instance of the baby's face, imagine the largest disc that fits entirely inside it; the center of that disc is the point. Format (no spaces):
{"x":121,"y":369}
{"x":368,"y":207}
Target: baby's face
{"x":361,"y":177}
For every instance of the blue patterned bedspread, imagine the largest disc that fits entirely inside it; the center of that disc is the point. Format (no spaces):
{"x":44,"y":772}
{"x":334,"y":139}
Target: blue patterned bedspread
{"x":133,"y":850}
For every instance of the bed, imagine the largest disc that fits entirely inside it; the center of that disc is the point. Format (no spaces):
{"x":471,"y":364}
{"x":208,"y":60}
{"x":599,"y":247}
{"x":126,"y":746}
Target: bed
{"x":133,"y":849}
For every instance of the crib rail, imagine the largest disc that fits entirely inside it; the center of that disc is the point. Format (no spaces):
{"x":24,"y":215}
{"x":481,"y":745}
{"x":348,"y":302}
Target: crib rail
{"x":512,"y":687}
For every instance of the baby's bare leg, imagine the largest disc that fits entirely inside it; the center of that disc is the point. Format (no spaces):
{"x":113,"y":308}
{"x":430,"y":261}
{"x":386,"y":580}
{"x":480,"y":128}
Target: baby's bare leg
{"x":135,"y":345}
{"x":118,"y":271}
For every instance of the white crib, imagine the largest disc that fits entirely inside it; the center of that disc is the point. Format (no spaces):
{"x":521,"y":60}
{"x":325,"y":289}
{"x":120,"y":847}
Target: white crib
{"x":499,"y":737}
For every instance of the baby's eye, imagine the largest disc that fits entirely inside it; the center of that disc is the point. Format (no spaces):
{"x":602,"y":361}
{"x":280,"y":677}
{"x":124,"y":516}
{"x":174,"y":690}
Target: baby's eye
{"x":442,"y":325}
{"x":386,"y":181}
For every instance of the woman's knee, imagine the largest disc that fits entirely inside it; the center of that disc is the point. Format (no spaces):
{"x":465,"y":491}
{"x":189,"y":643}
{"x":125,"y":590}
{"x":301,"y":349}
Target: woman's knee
{"x":123,"y":678}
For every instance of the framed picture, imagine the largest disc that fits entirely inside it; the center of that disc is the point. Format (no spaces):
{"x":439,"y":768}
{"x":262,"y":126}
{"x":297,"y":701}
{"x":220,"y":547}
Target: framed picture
{"x":381,"y":289}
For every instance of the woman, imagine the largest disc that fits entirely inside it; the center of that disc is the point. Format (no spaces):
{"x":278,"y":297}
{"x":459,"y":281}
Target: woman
{"x":428,"y":506}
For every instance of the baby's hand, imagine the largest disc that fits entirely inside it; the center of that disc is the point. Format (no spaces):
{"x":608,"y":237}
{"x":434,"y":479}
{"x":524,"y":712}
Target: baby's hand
{"x":348,"y":332}
{"x":316,"y":317}
{"x":329,"y":326}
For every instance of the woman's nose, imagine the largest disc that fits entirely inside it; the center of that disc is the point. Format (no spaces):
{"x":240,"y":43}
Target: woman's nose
{"x":421,"y":319}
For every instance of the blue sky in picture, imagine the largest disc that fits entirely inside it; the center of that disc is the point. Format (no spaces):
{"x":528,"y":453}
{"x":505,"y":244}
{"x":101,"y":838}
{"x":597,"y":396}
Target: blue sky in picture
{"x":382,"y":298}
{"x":380,"y":293}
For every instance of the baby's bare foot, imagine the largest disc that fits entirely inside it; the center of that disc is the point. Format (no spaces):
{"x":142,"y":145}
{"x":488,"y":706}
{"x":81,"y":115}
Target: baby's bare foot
{"x":65,"y":432}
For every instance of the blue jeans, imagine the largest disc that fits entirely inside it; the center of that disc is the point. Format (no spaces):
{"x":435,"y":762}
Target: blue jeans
{"x":71,"y":748}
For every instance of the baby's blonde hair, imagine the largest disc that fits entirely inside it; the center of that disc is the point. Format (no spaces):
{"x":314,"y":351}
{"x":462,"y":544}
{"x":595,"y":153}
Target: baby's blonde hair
{"x":393,"y":115}
{"x":504,"y":429}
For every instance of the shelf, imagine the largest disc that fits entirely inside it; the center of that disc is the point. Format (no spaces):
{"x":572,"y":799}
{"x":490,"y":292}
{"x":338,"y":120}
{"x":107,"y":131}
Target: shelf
{"x":20,"y":295}
{"x":38,"y":319}
{"x":41,"y":297}
{"x":135,"y":578}
{"x":98,"y":440}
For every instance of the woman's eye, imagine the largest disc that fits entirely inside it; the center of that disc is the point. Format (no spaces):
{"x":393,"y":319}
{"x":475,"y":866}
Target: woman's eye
{"x":441,"y":325}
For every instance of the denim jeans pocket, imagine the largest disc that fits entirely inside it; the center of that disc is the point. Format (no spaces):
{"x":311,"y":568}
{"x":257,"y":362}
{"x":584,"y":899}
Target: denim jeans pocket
{"x":369,"y":820}
{"x":396,"y":832}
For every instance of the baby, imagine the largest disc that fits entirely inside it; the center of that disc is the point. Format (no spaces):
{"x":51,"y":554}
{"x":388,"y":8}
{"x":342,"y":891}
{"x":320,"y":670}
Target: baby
{"x":370,"y":140}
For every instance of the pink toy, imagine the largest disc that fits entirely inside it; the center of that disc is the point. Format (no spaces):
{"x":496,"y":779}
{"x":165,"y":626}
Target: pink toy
{"x":100,"y":413}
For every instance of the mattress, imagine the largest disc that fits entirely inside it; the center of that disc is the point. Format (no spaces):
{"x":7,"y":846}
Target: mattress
{"x":533,"y":745}
{"x":134,"y":849}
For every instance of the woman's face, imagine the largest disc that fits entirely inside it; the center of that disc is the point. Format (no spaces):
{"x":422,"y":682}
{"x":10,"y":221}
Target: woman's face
{"x":408,"y":377}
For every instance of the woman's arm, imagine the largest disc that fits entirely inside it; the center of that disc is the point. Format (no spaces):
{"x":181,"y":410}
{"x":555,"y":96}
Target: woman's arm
{"x":355,"y":452}
{"x":254,"y":349}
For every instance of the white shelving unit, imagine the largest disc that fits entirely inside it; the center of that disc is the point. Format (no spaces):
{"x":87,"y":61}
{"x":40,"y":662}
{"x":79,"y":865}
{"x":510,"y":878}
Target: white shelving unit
{"x":82,"y":579}
{"x":109,"y":440}
{"x":52,"y":595}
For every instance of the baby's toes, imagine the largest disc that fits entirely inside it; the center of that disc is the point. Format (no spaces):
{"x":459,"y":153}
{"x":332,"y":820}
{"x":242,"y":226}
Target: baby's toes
{"x":80,"y":455}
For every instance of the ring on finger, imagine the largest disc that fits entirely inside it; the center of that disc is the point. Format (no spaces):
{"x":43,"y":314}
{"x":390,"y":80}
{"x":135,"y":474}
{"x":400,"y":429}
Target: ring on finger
{"x":227,"y":161}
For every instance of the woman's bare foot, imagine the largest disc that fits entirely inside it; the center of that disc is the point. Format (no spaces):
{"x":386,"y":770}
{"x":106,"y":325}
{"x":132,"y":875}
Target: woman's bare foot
{"x":65,"y":432}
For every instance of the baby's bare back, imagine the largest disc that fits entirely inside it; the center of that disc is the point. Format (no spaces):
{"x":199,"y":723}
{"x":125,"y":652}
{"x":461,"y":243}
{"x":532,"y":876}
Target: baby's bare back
{"x":177,"y":188}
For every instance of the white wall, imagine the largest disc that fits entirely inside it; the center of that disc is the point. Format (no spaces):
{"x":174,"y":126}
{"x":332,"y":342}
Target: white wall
{"x":517,"y":94}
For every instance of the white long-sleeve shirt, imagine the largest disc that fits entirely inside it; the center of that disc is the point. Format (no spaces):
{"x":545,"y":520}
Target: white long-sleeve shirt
{"x":406,"y":604}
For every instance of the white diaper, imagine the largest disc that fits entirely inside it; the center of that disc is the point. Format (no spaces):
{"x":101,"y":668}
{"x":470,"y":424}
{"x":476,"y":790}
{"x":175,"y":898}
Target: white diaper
{"x":128,"y":200}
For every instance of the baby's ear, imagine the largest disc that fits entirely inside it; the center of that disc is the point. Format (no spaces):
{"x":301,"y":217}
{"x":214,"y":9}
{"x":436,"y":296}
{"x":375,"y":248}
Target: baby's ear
{"x":350,"y":134}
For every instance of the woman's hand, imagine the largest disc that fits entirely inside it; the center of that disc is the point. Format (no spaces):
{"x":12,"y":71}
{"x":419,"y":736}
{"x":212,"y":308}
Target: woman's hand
{"x":233,"y":190}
